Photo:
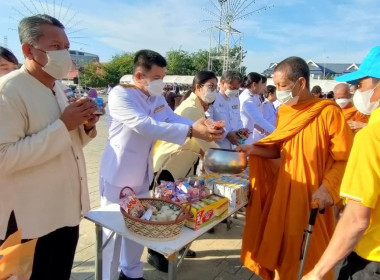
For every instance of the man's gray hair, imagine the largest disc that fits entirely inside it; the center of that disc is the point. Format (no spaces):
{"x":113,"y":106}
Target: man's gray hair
{"x":29,"y":27}
{"x":230,"y":76}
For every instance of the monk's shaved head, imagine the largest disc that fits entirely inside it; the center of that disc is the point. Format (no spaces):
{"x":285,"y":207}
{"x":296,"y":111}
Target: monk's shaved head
{"x":295,"y":68}
{"x":342,"y":91}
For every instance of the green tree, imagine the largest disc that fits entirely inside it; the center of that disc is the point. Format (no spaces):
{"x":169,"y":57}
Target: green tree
{"x":199,"y":61}
{"x":101,"y":75}
{"x":118,"y":66}
{"x":91,"y":75}
{"x":179,"y":63}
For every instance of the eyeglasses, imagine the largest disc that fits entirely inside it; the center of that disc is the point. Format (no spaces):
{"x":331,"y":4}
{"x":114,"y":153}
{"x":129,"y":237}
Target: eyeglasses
{"x":212,"y":87}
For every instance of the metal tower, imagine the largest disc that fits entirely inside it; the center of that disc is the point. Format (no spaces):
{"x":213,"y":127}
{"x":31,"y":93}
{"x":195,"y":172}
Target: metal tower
{"x":226,"y":50}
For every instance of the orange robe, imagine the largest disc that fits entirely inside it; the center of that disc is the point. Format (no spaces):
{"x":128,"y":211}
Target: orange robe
{"x":315,"y":142}
{"x":352,"y":114}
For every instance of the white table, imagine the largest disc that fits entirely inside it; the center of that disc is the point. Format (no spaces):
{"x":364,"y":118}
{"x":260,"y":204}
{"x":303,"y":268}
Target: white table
{"x":111,"y":218}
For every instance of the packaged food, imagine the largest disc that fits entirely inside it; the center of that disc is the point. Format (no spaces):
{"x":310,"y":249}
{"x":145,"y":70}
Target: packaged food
{"x":100,"y":104}
{"x":215,"y":124}
{"x":132,"y":205}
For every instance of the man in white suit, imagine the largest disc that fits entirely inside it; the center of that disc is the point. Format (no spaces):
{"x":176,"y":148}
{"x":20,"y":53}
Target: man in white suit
{"x":139,"y":115}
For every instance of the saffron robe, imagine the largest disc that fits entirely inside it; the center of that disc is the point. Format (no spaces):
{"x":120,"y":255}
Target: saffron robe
{"x":314,"y":142}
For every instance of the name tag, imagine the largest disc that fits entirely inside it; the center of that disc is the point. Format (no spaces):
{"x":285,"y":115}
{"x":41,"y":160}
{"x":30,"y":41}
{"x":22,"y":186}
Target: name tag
{"x":159,"y":108}
{"x":235,"y":107}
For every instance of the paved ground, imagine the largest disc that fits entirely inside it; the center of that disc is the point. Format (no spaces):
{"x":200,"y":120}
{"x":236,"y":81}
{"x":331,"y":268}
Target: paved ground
{"x":218,"y":254}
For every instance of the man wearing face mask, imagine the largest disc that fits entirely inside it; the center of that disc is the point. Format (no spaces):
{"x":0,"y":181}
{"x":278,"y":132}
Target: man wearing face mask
{"x":139,"y":116}
{"x":43,"y":185}
{"x":227,"y":107}
{"x":354,"y":118}
{"x":357,"y":236}
{"x":311,"y":143}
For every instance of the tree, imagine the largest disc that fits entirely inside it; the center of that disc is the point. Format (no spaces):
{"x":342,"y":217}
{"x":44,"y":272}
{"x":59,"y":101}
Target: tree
{"x":91,"y":75}
{"x":101,"y":75}
{"x":199,"y":60}
{"x":118,"y":66}
{"x":179,"y":63}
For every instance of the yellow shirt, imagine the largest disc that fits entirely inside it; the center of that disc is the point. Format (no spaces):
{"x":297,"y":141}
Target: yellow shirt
{"x":181,"y":162}
{"x":361,"y":182}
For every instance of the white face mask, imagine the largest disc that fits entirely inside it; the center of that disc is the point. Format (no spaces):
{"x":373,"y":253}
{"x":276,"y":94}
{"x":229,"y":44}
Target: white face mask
{"x":362,"y":101}
{"x":286,"y":96}
{"x":343,"y":102}
{"x":210,"y":96}
{"x":232,"y":92}
{"x":59,"y":63}
{"x":156,"y":87}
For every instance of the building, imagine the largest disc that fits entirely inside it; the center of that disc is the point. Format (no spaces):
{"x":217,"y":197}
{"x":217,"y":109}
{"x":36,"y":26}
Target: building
{"x":81,"y":58}
{"x":321,"y":70}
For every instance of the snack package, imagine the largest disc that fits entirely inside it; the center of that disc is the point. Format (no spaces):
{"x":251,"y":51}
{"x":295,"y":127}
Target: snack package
{"x":243,"y":134}
{"x":165,"y":190}
{"x":183,"y":187}
{"x":132,"y":205}
{"x":215,"y":124}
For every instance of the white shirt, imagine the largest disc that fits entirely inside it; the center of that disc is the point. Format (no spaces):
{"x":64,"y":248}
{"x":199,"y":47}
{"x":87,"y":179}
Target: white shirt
{"x":42,"y":166}
{"x":227,"y":109}
{"x":136,"y":122}
{"x":251,"y":114}
{"x":269,"y":112}
{"x":276,"y":104}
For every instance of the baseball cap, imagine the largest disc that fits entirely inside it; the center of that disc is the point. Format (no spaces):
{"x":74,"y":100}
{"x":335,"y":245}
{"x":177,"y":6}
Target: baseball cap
{"x":370,"y":67}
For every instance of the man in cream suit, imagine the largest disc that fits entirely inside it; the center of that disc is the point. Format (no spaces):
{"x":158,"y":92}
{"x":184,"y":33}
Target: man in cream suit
{"x":139,"y":115}
{"x":43,"y":185}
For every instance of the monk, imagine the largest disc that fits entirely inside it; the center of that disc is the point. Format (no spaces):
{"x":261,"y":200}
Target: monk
{"x":302,"y":161}
{"x":354,"y":118}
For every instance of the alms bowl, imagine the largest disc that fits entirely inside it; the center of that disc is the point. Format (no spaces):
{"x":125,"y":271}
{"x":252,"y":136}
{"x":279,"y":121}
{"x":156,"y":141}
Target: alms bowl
{"x":224,"y":161}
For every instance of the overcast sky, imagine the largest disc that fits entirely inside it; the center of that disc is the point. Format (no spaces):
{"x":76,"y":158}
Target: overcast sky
{"x":322,"y":30}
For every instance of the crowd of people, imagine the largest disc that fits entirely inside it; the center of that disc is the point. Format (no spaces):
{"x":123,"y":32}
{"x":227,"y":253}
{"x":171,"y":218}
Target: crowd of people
{"x":304,"y":152}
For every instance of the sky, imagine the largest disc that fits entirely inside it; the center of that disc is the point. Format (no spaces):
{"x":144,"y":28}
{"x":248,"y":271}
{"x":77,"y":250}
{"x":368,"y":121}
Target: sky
{"x":326,"y":31}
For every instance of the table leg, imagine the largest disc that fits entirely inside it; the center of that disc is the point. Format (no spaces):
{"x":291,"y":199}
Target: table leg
{"x":172,"y":273}
{"x":229,"y":223}
{"x":99,"y":252}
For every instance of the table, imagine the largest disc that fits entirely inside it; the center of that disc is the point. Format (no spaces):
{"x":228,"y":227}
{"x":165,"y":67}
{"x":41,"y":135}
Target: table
{"x":111,"y":218}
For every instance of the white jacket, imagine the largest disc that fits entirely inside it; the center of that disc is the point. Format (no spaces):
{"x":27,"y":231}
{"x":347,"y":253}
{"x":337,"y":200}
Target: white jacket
{"x":227,"y":109}
{"x":42,"y":166}
{"x":136,"y":122}
{"x":251,"y":113}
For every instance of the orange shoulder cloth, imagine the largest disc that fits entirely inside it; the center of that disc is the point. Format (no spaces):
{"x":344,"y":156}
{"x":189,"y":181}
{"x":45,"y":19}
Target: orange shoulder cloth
{"x":292,"y":119}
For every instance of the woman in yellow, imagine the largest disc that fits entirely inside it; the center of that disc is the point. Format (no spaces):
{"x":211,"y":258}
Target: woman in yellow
{"x":182,"y":161}
{"x":178,"y":161}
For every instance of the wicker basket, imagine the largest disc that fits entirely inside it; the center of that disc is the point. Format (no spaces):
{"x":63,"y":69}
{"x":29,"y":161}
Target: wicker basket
{"x":154,"y":230}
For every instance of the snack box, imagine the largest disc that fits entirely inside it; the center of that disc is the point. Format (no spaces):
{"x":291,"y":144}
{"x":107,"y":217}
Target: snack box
{"x":206,"y":211}
{"x":235,"y":188}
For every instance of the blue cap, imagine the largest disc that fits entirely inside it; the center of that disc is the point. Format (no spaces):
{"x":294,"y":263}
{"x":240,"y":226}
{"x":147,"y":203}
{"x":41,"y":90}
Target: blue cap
{"x":370,"y":67}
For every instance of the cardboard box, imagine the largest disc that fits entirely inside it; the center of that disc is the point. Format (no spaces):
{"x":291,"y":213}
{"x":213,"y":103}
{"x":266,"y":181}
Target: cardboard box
{"x":207,"y":214}
{"x":235,"y":188}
